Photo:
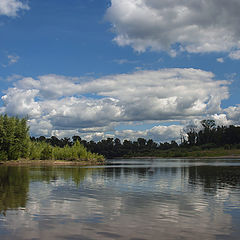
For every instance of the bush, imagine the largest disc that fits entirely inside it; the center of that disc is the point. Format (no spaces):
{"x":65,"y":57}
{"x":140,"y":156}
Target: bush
{"x":3,"y":156}
{"x":15,"y":143}
{"x":46,"y":153}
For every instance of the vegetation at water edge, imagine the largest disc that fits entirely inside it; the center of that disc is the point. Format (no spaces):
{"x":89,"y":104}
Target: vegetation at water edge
{"x":208,"y":141}
{"x":15,"y":143}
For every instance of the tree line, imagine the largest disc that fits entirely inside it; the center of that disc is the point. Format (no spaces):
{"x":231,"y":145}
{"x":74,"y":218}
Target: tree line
{"x":208,"y":137}
{"x":212,"y":135}
{"x":15,"y":143}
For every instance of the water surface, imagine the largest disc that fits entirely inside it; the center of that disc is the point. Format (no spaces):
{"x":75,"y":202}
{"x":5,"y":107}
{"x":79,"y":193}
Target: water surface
{"x":126,"y":199}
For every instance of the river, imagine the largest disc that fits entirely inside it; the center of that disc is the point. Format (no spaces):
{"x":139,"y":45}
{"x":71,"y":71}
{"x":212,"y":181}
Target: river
{"x":126,"y":199}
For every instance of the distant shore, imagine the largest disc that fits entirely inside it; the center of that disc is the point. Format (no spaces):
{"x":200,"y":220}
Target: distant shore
{"x":188,"y":157}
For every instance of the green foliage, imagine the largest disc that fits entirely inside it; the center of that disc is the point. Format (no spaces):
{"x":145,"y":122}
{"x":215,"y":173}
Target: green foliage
{"x":14,"y":138}
{"x":35,"y":150}
{"x":77,"y":152}
{"x":46,"y":153}
{"x":14,"y":184}
{"x":15,"y":143}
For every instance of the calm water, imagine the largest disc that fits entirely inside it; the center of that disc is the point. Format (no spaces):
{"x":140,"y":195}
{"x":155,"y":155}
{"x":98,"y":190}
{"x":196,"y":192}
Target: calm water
{"x":127,"y":199}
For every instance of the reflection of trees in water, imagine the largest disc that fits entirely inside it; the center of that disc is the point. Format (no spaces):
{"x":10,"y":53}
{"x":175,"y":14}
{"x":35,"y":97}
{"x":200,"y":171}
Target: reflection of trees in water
{"x":116,"y":173}
{"x":14,"y":182}
{"x":214,"y":177}
{"x":210,"y":177}
{"x":140,"y":172}
{"x":14,"y":185}
{"x":48,"y":174}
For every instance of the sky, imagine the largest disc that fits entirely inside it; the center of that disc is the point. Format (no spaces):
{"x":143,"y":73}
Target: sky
{"x":125,"y":69}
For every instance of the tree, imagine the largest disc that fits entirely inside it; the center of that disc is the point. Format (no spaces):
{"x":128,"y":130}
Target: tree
{"x":141,"y":142}
{"x":207,"y":135}
{"x":76,"y":138}
{"x":208,"y":124}
{"x":191,"y":131}
{"x":46,"y":153}
{"x":14,"y":138}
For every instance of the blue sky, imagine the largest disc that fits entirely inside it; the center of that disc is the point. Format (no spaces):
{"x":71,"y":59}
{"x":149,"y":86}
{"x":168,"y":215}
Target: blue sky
{"x":127,"y":69}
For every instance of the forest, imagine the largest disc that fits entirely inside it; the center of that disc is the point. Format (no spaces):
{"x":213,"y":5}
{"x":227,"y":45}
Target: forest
{"x":210,"y":140}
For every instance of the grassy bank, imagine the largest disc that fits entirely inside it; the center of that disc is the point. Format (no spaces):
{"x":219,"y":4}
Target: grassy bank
{"x":190,"y":153}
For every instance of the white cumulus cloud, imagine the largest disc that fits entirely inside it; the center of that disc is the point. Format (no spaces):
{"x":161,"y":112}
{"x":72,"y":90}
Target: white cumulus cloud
{"x":59,"y":103}
{"x":21,"y":102}
{"x":233,"y":114}
{"x":158,"y":133}
{"x":235,"y":55}
{"x":10,"y":8}
{"x":162,"y":133}
{"x":195,"y":26}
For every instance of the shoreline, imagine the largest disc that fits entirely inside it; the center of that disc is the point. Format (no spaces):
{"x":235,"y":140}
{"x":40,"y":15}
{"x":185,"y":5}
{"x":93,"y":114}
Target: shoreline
{"x":189,"y":157}
{"x":98,"y":163}
{"x":51,"y":163}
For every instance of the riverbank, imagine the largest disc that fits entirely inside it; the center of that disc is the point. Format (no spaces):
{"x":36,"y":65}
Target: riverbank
{"x":24,"y":162}
{"x":189,"y":157}
{"x":216,"y":153}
